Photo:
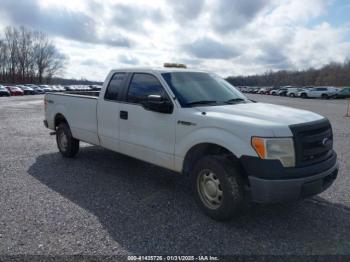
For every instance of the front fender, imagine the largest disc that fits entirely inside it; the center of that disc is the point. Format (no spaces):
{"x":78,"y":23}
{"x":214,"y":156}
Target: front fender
{"x":235,"y":144}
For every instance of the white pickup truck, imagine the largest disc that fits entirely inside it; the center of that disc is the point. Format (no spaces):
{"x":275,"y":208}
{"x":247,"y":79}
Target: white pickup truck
{"x":197,"y":124}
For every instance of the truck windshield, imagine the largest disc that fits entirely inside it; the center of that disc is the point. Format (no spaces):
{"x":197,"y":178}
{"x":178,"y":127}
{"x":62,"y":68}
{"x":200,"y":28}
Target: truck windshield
{"x":197,"y":88}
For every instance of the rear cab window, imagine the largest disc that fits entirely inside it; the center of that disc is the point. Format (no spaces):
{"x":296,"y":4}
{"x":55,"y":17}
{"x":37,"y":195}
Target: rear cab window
{"x":115,"y":87}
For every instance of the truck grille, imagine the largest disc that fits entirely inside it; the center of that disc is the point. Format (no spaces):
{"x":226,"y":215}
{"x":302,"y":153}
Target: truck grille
{"x":313,"y":142}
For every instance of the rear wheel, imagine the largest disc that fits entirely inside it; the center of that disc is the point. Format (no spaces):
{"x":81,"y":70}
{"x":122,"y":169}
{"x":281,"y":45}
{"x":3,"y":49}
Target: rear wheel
{"x":292,"y":95}
{"x":66,"y":143}
{"x":324,"y":96}
{"x":303,"y":95}
{"x":218,"y":187}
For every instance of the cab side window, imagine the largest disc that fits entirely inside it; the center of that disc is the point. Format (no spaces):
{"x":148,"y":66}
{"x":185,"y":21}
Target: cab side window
{"x":141,"y":86}
{"x":115,"y":87}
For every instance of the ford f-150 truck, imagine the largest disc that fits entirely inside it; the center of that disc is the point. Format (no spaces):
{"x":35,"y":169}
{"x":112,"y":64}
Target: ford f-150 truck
{"x":197,"y":124}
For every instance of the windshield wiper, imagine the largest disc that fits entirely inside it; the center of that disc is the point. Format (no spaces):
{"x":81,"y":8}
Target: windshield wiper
{"x":202,"y":102}
{"x":235,"y":100}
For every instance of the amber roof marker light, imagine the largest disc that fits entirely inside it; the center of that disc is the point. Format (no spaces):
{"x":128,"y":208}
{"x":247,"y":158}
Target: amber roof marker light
{"x":174,"y":65}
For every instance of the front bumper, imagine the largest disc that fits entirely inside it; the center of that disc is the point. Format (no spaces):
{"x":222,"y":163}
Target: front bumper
{"x":274,"y":191}
{"x":270,"y":182}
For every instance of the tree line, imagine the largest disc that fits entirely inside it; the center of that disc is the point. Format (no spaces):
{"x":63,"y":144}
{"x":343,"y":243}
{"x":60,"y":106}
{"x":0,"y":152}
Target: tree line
{"x":28,"y":56}
{"x":333,"y":74}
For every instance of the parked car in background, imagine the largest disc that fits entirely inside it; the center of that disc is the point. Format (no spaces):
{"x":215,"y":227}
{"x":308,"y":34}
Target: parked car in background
{"x":37,"y":90}
{"x":283,"y":91}
{"x":98,"y":87}
{"x":342,"y":93}
{"x":262,"y":91}
{"x":293,"y":92}
{"x":26,"y":90}
{"x":4,"y":91}
{"x":253,"y":90}
{"x":46,"y":88}
{"x":61,"y":88}
{"x":319,"y":92}
{"x":243,"y":89}
{"x":15,"y":91}
{"x":55,"y":88}
{"x":274,"y":91}
{"x":70,"y":88}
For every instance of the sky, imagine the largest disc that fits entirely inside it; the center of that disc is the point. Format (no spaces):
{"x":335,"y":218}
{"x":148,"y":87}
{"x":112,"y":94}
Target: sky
{"x":228,"y":37}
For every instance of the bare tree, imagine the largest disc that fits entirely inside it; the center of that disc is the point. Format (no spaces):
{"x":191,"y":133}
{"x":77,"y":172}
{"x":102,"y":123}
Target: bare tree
{"x":28,"y":56}
{"x":48,"y":60}
{"x":3,"y":59}
{"x":11,"y":37}
{"x":333,"y":74}
{"x":24,"y":53}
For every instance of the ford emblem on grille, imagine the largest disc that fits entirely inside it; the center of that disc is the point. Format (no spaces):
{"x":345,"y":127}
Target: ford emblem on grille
{"x":326,"y":141}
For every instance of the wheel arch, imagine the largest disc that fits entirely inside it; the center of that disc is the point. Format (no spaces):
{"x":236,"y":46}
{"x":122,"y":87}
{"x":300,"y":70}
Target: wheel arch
{"x":203,"y":149}
{"x":60,"y":118}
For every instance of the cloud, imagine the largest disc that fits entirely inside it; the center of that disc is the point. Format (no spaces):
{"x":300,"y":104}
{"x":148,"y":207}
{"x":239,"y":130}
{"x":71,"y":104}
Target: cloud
{"x":231,"y":15}
{"x":57,"y":21}
{"x":296,"y":12}
{"x":274,"y":53}
{"x":127,"y":59}
{"x":133,"y":17}
{"x":186,"y":10}
{"x":226,"y":36}
{"x":209,"y":49}
{"x":90,"y":62}
{"x":319,"y":45}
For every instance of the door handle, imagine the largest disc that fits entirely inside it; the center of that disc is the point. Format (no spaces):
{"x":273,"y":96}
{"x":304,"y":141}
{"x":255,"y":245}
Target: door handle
{"x":123,"y":115}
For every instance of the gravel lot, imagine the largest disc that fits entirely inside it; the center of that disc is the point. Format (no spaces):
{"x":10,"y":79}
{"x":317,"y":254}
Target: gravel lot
{"x":105,"y":203}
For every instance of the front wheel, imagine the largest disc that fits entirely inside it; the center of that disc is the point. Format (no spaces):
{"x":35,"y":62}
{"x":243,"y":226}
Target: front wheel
{"x":66,"y":143}
{"x":218,"y":187}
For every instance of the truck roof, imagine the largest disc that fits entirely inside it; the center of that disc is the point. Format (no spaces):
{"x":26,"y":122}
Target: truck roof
{"x":156,"y":69}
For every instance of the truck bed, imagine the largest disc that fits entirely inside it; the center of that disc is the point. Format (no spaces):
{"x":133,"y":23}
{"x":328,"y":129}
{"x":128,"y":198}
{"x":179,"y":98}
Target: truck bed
{"x":78,"y":93}
{"x":80,"y":110}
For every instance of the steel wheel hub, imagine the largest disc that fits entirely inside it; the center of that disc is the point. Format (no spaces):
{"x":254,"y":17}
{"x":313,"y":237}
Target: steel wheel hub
{"x":63,"y":141}
{"x":209,"y":188}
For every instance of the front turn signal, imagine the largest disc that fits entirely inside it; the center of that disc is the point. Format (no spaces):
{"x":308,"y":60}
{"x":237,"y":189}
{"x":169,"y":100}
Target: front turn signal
{"x":258,"y":144}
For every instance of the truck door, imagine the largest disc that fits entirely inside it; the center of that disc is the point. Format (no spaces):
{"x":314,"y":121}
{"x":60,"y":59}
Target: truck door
{"x":146,"y":134}
{"x":108,"y":112}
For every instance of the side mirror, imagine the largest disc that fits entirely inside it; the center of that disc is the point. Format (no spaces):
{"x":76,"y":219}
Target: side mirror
{"x":159,"y":104}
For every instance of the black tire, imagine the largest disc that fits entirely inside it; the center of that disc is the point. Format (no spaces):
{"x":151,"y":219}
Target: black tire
{"x":303,"y":95}
{"x":324,"y":96}
{"x":292,"y":95}
{"x":70,"y":147}
{"x":229,"y":187}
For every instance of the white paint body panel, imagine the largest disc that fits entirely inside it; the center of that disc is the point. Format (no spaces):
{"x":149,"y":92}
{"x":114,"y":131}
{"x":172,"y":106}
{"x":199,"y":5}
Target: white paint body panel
{"x":80,"y":113}
{"x":159,"y":138}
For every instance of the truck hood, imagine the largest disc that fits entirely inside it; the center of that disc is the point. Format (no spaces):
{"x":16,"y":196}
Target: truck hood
{"x":261,"y":113}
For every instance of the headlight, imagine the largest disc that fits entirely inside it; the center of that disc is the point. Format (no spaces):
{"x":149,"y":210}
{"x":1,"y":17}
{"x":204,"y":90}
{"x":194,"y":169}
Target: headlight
{"x":275,"y":148}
